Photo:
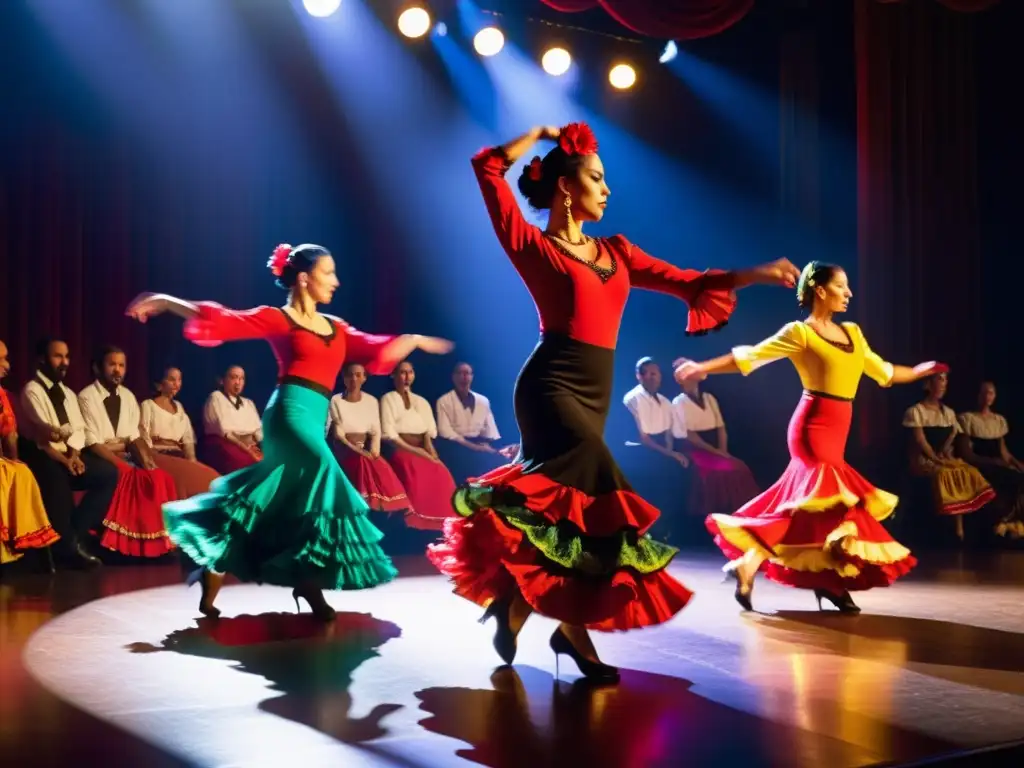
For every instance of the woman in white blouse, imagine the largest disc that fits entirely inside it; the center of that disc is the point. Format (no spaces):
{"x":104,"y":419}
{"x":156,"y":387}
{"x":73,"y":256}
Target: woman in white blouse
{"x":407,"y":423}
{"x":982,"y":443}
{"x":959,"y":488}
{"x":723,"y":483}
{"x":232,"y":426}
{"x":168,"y":431}
{"x":354,"y":427}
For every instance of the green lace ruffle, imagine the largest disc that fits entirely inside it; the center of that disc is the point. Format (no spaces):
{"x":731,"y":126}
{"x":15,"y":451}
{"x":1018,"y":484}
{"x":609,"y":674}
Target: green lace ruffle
{"x":564,"y":543}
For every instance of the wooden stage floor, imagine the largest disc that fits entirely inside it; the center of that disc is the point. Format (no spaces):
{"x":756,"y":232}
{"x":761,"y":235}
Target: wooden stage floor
{"x":111,"y":668}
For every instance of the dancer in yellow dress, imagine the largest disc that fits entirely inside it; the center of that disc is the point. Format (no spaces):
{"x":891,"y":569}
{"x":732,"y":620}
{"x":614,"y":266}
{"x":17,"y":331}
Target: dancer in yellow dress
{"x":818,"y":527}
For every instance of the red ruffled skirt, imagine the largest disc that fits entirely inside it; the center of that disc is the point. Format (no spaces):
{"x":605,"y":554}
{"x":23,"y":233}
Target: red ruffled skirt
{"x":561,"y":526}
{"x":134,"y":524}
{"x":429,"y":486}
{"x":374,"y":479}
{"x":819,"y":524}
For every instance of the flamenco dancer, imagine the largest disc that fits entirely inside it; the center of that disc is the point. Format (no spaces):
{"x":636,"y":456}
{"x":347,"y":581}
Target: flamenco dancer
{"x":818,"y":527}
{"x":292,"y":519}
{"x":560,"y":531}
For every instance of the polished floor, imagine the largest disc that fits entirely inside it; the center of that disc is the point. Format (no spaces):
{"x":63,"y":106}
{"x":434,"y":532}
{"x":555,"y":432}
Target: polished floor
{"x":112,"y":668}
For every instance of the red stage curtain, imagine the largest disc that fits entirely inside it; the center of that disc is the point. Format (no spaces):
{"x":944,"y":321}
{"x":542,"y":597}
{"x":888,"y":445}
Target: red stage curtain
{"x":964,"y":6}
{"x":918,"y":225}
{"x":668,"y":19}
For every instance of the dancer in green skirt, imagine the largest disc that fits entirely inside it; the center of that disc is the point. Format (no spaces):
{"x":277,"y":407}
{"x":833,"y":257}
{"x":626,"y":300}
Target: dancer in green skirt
{"x":293,"y":519}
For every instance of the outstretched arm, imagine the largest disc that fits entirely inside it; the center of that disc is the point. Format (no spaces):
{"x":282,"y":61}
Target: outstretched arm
{"x":789,"y":341}
{"x":208,"y":323}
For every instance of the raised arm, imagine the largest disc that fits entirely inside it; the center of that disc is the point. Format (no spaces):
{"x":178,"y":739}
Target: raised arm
{"x":209,"y":324}
{"x":788,"y":342}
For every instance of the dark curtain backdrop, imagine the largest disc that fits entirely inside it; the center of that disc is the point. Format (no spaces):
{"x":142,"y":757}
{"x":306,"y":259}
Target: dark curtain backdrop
{"x":671,"y":19}
{"x":919,"y":238}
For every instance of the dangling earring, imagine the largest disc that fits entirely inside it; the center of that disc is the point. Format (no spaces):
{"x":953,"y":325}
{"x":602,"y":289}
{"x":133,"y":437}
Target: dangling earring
{"x":570,"y":223}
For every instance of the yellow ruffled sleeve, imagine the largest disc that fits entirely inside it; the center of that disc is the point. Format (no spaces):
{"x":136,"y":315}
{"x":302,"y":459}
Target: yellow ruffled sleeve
{"x":789,"y":341}
{"x":874,"y":366}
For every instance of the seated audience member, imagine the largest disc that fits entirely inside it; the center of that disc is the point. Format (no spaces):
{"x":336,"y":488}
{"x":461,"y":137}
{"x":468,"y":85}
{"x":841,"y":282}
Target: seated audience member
{"x":354,"y":426}
{"x":722,"y":483}
{"x":232,"y":426}
{"x":24,"y":524}
{"x":134,"y":522}
{"x":982,"y":443}
{"x":652,"y":412}
{"x":167,"y":430}
{"x":407,"y":423}
{"x":466,"y":426}
{"x":958,"y":488}
{"x":51,"y":444}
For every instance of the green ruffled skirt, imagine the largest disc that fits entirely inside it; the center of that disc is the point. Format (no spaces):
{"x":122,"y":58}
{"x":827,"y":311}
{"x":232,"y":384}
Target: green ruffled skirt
{"x":293,"y":517}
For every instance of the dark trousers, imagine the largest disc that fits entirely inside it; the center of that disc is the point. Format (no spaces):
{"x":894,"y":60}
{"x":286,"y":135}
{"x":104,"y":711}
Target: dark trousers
{"x":57,"y":486}
{"x":464,"y":462}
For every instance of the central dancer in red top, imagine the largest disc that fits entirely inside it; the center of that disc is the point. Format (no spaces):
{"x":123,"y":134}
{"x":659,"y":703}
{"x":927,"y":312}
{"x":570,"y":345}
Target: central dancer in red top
{"x":560,"y":531}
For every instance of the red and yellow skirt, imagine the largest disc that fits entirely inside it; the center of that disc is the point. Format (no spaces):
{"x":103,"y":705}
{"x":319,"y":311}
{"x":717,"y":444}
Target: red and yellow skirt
{"x":24,"y":523}
{"x":819,"y":525}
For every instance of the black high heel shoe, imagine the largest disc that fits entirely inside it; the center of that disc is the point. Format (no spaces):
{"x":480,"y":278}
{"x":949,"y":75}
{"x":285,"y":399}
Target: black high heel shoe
{"x":208,"y":593}
{"x":743,"y":598}
{"x":505,"y":641}
{"x":596,"y":671}
{"x":320,"y":608}
{"x":843,"y":603}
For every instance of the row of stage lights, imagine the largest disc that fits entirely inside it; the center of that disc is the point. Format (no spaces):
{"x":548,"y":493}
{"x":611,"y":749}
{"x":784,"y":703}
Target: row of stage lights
{"x":415,"y":22}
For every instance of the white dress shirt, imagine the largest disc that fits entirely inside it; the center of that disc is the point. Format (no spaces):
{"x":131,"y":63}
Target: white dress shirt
{"x":653,"y":413}
{"x":396,"y":419}
{"x":690,"y":417}
{"x":98,"y":429}
{"x":455,"y":420}
{"x":37,"y":416}
{"x":158,"y":424}
{"x":359,"y":418}
{"x":220,"y":417}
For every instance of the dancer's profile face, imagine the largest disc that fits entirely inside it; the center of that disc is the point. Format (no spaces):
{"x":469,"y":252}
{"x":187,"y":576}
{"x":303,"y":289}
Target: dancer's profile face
{"x":5,"y":365}
{"x":321,"y":281}
{"x":355,"y":377}
{"x":835,"y":295}
{"x":987,"y":394}
{"x":588,"y":190}
{"x":234,"y":381}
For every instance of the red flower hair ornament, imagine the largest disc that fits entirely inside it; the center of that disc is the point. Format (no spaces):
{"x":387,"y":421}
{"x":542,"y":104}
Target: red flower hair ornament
{"x":278,"y":259}
{"x":577,"y":139}
{"x":534,"y":168}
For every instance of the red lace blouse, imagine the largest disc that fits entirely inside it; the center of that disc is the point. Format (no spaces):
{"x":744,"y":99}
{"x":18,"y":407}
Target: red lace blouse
{"x":577,"y":299}
{"x":300,"y":352}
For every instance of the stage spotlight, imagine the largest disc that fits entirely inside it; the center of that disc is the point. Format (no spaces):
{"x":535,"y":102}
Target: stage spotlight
{"x":556,"y":61}
{"x":414,"y":22}
{"x":441,"y":29}
{"x":670,"y":52}
{"x":321,"y":8}
{"x":489,"y":41}
{"x":622,"y":76}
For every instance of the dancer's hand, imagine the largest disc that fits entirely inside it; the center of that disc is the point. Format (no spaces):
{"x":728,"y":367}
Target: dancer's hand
{"x":931,"y":368}
{"x":550,"y":132}
{"x":509,"y":451}
{"x":146,"y":305}
{"x":779,"y":272}
{"x":433,"y":345}
{"x":689,"y":371}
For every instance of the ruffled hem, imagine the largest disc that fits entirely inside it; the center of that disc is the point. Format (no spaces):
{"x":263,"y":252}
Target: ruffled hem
{"x":491,"y":554}
{"x":1010,"y":529}
{"x":219,"y":532}
{"x":597,"y":516}
{"x":37,"y":539}
{"x":117,"y":538}
{"x":710,"y":309}
{"x":968,"y":506}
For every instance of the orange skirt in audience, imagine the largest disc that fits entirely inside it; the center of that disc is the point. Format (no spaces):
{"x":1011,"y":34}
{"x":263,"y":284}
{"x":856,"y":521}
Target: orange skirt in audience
{"x":224,"y":456}
{"x":23,"y":520}
{"x":374,"y":479}
{"x":190,"y":477}
{"x":134,"y":524}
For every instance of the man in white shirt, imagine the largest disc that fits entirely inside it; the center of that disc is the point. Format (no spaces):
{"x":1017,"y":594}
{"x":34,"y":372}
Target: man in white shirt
{"x":52,"y":435}
{"x":652,"y":411}
{"x":466,"y":424}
